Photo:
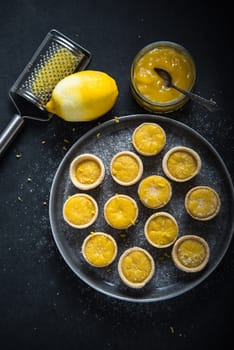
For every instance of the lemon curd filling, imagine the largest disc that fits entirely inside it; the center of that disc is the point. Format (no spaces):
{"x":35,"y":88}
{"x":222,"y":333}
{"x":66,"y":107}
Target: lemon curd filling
{"x":154,"y":191}
{"x":99,"y":249}
{"x":149,"y":139}
{"x":202,"y":202}
{"x":125,"y":168}
{"x":136,"y":266}
{"x":88,"y":171}
{"x":151,"y":85}
{"x":191,"y":253}
{"x":79,"y":210}
{"x":181,"y":164}
{"x":121,"y":211}
{"x":161,"y":229}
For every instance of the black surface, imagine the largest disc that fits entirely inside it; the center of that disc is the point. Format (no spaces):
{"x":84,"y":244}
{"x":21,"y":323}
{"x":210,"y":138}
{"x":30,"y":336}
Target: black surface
{"x":42,"y":302}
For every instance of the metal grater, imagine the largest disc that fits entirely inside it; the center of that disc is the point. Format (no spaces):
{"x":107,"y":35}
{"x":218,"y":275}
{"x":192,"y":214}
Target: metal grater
{"x":56,"y":58}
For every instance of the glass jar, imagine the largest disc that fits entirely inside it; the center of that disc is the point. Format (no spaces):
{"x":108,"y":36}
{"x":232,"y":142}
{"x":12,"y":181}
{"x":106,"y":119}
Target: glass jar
{"x":149,"y":89}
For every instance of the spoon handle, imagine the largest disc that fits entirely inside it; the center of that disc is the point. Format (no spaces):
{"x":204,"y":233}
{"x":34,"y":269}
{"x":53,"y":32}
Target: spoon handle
{"x":208,"y":104}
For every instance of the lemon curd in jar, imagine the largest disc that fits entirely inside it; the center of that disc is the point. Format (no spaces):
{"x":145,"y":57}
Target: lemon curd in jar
{"x":149,"y":89}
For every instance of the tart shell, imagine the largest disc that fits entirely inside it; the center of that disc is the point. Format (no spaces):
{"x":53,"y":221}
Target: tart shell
{"x":158,"y":149}
{"x":140,"y":166}
{"x":106,"y":215}
{"x":72,"y":171}
{"x":92,"y":200}
{"x":188,"y":150}
{"x":91,"y":236}
{"x":131,"y":284}
{"x":208,"y":217}
{"x":179,"y":264}
{"x":143,"y":188}
{"x":160,"y":214}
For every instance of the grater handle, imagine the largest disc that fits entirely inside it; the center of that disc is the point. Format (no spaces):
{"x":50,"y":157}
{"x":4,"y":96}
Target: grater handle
{"x":10,"y":131}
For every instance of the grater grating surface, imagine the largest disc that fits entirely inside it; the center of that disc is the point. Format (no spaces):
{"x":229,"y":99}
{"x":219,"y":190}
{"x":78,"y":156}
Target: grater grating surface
{"x":56,"y":64}
{"x":56,"y":58}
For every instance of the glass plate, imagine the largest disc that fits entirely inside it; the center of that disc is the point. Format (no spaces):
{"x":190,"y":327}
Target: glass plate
{"x":105,"y":141}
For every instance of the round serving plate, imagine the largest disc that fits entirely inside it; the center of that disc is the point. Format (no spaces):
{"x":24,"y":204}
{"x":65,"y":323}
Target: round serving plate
{"x":105,"y":141}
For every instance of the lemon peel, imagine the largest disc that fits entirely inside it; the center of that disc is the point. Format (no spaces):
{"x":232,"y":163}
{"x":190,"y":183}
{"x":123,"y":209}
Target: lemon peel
{"x":83,"y":96}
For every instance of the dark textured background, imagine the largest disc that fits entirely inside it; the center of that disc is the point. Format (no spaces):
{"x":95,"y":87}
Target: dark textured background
{"x":42,"y":303}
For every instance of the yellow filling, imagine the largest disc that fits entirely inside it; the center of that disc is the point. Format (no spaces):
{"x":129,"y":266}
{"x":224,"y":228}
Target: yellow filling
{"x":191,"y":253}
{"x":99,"y":250}
{"x":136,"y":266}
{"x":181,"y":164}
{"x":79,"y":210}
{"x":154,"y":191}
{"x":162,"y":230}
{"x":202,"y":202}
{"x":121,"y":212}
{"x":149,"y":138}
{"x":125,"y":168}
{"x":88,"y":171}
{"x":151,"y":85}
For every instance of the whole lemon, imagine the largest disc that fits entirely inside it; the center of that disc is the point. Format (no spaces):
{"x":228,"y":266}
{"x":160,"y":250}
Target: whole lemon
{"x":83,"y":96}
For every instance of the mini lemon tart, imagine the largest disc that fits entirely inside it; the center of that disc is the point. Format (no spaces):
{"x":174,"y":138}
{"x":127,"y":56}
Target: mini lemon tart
{"x":80,"y":210}
{"x":148,"y":139}
{"x":202,"y":203}
{"x":154,"y":191}
{"x":120,"y":211}
{"x":181,"y":163}
{"x":87,"y":171}
{"x":161,"y":230}
{"x":190,"y":253}
{"x":99,"y":249}
{"x":136,"y":267}
{"x":126,"y":168}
